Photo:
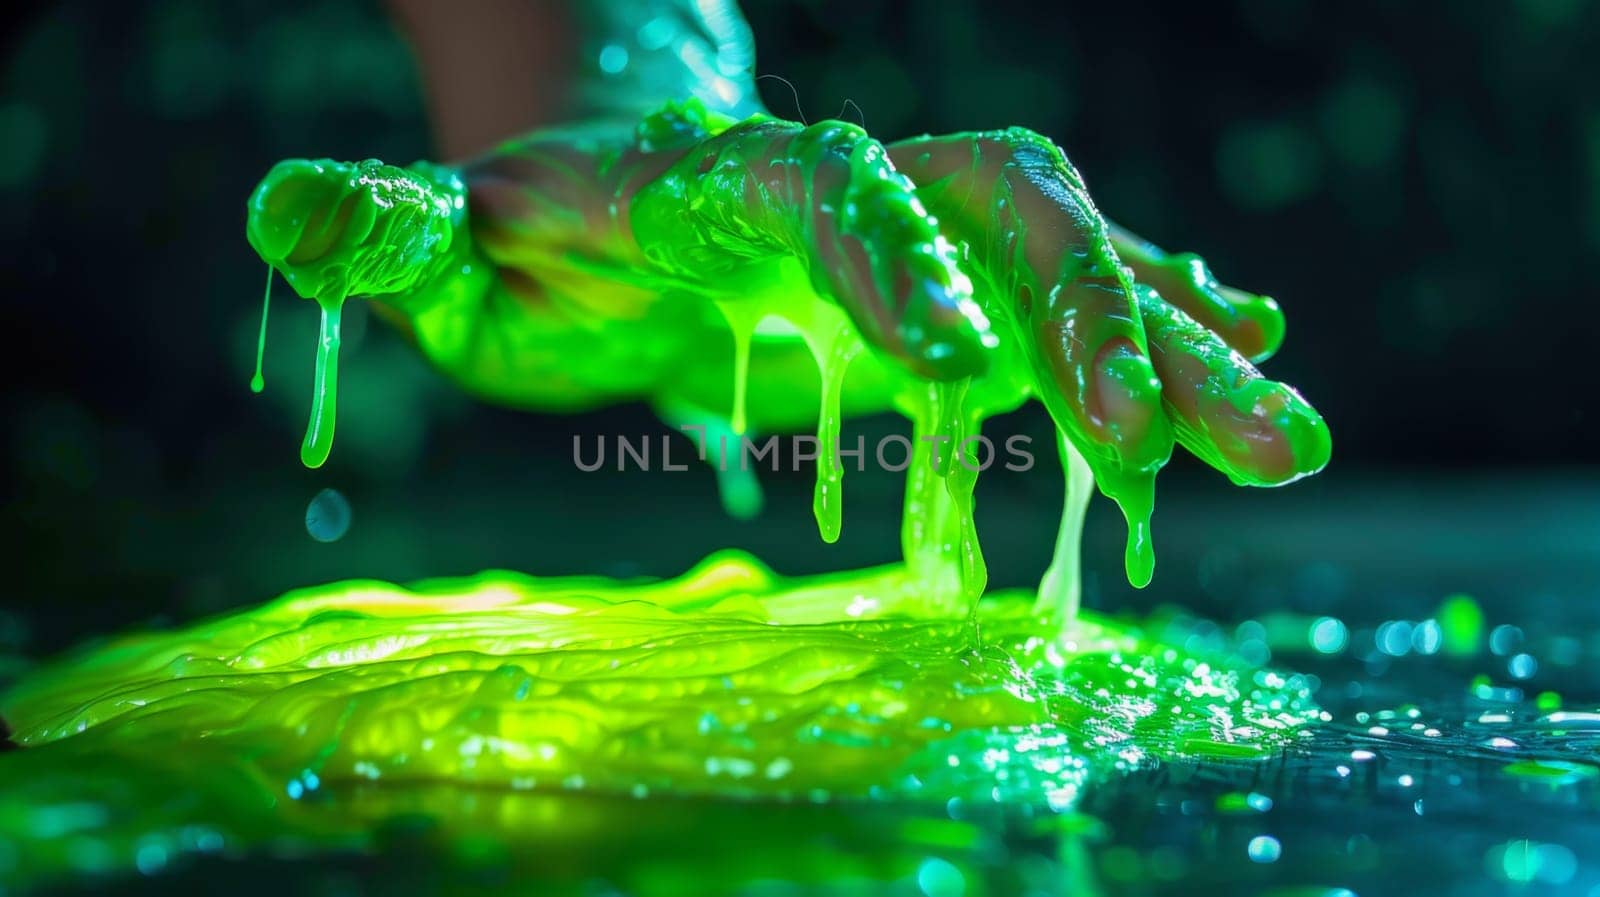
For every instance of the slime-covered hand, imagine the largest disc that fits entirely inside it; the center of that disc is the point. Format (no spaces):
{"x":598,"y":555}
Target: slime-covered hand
{"x":949,"y":277}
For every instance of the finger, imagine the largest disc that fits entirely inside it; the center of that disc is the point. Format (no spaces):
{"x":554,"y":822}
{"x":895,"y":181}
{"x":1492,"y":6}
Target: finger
{"x":1257,"y":431}
{"x":828,"y":195}
{"x":1249,"y":323}
{"x":1015,"y":199}
{"x":360,"y":228}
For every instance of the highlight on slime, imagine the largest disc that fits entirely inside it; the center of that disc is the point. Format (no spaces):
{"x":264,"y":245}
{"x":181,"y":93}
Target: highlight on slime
{"x":666,"y":238}
{"x":741,"y":271}
{"x":700,"y":261}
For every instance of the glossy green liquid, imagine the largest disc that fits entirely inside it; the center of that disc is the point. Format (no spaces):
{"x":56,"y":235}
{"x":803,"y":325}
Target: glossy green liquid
{"x":318,"y":718}
{"x":323,"y":713}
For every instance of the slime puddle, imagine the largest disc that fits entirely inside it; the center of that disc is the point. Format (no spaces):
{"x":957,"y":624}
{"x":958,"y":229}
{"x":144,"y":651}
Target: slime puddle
{"x":729,"y":683}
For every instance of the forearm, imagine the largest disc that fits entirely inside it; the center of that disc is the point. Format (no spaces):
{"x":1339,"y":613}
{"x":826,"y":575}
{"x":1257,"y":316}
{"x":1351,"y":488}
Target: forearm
{"x":494,"y":69}
{"x":491,"y":69}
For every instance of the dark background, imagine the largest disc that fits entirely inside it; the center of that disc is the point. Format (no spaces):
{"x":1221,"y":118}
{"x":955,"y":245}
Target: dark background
{"x":1418,"y":184}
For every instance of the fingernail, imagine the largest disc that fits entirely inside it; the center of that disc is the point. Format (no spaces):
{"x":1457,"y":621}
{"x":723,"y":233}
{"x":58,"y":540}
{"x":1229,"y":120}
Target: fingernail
{"x":1308,"y":434}
{"x":278,"y":208}
{"x":1291,"y":439}
{"x":1262,"y":312}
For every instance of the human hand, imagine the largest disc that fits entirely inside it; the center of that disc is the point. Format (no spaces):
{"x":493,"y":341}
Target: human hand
{"x":589,"y":264}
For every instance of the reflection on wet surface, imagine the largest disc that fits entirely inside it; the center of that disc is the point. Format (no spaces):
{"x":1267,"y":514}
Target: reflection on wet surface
{"x":1448,"y":638}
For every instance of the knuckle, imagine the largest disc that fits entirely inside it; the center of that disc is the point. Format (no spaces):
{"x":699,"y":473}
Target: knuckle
{"x":836,"y":130}
{"x":1028,"y":139}
{"x":835,"y":136}
{"x":1029,"y":147}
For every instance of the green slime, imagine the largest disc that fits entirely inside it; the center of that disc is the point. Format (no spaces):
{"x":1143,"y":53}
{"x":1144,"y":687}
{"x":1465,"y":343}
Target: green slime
{"x":598,"y":266}
{"x":743,"y":274}
{"x":487,"y":702}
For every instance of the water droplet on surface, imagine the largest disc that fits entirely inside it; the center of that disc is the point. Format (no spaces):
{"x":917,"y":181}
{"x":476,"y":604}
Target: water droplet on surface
{"x":1427,"y":638}
{"x":1523,"y":666}
{"x":151,"y":859}
{"x":613,"y":59}
{"x":939,"y":878}
{"x":1329,"y":635}
{"x":1504,"y":638}
{"x":1394,"y":638}
{"x":1264,"y":849}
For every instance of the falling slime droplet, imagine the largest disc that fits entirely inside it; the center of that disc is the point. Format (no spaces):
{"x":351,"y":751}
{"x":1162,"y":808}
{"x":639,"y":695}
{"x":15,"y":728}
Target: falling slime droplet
{"x":1137,"y":497}
{"x":328,"y":516}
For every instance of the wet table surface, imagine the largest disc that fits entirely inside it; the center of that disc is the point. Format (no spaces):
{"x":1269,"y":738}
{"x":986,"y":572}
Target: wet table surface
{"x":1439,"y":770}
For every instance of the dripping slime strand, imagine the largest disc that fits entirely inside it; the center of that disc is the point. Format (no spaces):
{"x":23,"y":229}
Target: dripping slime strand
{"x":325,"y":389}
{"x":742,"y":318}
{"x":834,"y":355}
{"x":257,"y":382}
